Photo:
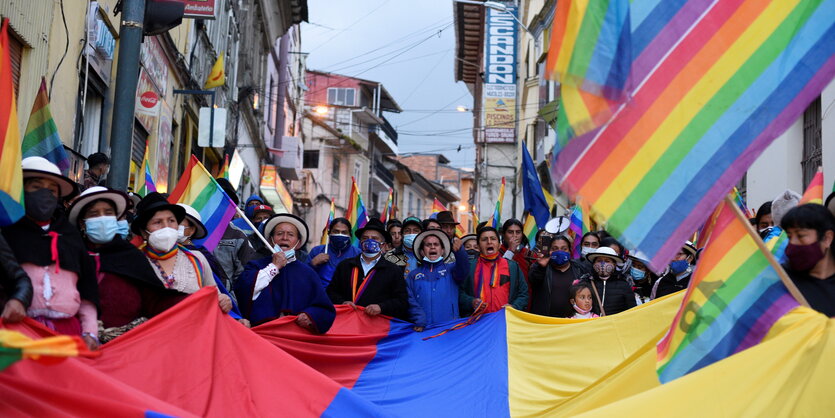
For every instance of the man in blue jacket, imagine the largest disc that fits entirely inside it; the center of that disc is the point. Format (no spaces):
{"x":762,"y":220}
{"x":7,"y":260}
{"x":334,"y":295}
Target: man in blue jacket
{"x":433,"y":285}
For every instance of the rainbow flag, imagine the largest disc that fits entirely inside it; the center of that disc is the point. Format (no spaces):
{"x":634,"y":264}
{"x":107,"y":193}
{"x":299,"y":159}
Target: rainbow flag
{"x":15,"y":346}
{"x":11,"y":175}
{"x":356,"y":213}
{"x":740,"y":202}
{"x":386,"y":215}
{"x":437,"y":206}
{"x":41,"y":138}
{"x":496,"y":219}
{"x":144,"y":182}
{"x":580,"y":225}
{"x":776,"y":242}
{"x":325,"y":236}
{"x":198,"y":189}
{"x":529,"y":229}
{"x":224,"y":171}
{"x":734,"y":297}
{"x":717,"y":82}
{"x":814,"y":193}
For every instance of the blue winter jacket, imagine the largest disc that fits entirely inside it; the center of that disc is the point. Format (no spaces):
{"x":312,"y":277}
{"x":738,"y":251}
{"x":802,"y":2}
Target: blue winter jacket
{"x":326,"y":270}
{"x":433,"y":290}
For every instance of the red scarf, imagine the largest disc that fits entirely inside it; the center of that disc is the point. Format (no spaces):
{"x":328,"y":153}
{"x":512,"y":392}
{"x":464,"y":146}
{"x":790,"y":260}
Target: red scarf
{"x":487,"y":283}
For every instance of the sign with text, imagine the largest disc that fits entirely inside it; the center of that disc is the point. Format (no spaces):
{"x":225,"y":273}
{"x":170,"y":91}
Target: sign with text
{"x":499,"y":106}
{"x":199,"y":9}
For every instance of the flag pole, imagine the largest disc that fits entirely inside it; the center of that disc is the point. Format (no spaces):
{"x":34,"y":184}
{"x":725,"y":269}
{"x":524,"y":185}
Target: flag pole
{"x":264,"y":240}
{"x":784,"y":277}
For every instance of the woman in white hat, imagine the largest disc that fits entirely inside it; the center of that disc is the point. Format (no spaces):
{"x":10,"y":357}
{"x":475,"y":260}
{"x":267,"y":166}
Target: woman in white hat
{"x":129,"y":291}
{"x":610,"y":290}
{"x":52,"y":253}
{"x":433,"y":285}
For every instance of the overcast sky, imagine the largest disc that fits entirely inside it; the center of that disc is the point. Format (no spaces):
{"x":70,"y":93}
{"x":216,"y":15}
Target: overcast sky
{"x":409,"y":46}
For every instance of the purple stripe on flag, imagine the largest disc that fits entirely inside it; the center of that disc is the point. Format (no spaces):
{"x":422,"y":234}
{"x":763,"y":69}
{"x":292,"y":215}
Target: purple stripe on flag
{"x":764,"y":323}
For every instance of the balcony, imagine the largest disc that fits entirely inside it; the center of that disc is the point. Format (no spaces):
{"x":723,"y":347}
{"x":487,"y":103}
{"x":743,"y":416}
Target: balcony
{"x":384,"y":174}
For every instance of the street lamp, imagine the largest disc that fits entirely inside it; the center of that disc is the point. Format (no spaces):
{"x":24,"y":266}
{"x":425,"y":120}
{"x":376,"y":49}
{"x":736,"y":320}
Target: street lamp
{"x":321,"y":110}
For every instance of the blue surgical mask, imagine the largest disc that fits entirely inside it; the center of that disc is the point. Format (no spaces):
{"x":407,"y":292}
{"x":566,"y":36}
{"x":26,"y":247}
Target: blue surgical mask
{"x":340,"y":242}
{"x":679,"y":266}
{"x":102,"y":229}
{"x":409,"y":240}
{"x":370,"y":248}
{"x":290,"y":254}
{"x":637,"y":274}
{"x":427,"y":260}
{"x":123,"y":228}
{"x":559,"y":258}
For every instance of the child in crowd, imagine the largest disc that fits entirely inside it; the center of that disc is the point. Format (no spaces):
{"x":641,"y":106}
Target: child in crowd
{"x":581,"y":300}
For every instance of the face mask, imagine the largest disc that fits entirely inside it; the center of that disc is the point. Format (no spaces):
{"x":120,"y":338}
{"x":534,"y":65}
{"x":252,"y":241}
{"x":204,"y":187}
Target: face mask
{"x":637,"y":274}
{"x":101,"y":230}
{"x":559,"y":258}
{"x":122,"y":228}
{"x":472,"y":254}
{"x":679,"y":266}
{"x":580,"y":310}
{"x":181,"y":234}
{"x":426,"y":259}
{"x":370,"y":248}
{"x":586,"y":251}
{"x":40,"y":204}
{"x":409,"y":240}
{"x":604,"y":270}
{"x":163,"y":240}
{"x":803,"y":257}
{"x":340,"y":242}
{"x":290,"y":255}
{"x":764,"y":232}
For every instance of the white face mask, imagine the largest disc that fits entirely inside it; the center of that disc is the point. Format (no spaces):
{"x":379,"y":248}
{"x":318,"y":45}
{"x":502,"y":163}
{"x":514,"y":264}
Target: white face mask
{"x":164,"y":239}
{"x":586,"y":251}
{"x":181,"y":234}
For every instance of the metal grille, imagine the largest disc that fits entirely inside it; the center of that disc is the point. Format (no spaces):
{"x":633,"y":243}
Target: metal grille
{"x":812,"y":155}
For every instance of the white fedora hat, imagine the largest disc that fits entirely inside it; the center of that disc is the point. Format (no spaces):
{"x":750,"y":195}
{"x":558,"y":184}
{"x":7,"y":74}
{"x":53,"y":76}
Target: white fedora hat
{"x":280,"y":218}
{"x":195,"y":219}
{"x":119,"y":199}
{"x":34,"y":167}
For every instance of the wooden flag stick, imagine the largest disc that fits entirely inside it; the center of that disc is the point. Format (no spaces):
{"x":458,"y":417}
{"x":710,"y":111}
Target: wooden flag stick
{"x":264,"y":240}
{"x":784,"y":277}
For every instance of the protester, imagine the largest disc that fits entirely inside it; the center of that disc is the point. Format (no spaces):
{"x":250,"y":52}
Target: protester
{"x":281,"y":285}
{"x":609,"y":288}
{"x":177,"y":267}
{"x":493,"y":281}
{"x":249,"y":211}
{"x":15,"y":286}
{"x":811,"y":257}
{"x":551,"y":277}
{"x":369,"y":280}
{"x":433,"y":286}
{"x":642,"y":277}
{"x":447,"y":222}
{"x":513,"y":245}
{"x":581,"y":300}
{"x":431,"y":223}
{"x":677,"y":275}
{"x":614,"y":244}
{"x":589,"y":243}
{"x":51,"y":252}
{"x":470,"y":244}
{"x":405,"y":256}
{"x":339,"y":248}
{"x":763,"y":220}
{"x":98,"y":164}
{"x":129,"y":291}
{"x":395,"y":229}
{"x":233,"y":250}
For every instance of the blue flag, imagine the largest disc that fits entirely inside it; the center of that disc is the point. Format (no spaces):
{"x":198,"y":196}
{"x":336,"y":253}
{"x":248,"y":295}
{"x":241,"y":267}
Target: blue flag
{"x":535,"y":202}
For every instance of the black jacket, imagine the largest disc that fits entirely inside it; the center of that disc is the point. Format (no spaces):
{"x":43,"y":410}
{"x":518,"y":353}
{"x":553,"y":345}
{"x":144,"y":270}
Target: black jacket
{"x":387,"y":288}
{"x":14,"y":283}
{"x":616,"y":294}
{"x":668,"y":284}
{"x":550,"y":298}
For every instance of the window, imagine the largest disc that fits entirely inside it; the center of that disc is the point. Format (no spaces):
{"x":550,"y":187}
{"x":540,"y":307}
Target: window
{"x":16,"y":56}
{"x":341,"y":96}
{"x":357,"y":172}
{"x":812,"y":147}
{"x":311,"y":159}
{"x":411,"y":204}
{"x":335,"y":169}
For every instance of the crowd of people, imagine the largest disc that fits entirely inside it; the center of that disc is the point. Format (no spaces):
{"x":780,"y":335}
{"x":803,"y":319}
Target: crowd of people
{"x":100,"y":262}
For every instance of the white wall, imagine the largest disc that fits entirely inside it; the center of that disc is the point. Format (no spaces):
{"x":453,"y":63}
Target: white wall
{"x":828,"y":139}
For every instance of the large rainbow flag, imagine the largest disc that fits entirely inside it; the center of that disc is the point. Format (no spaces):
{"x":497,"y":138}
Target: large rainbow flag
{"x":734,"y":297}
{"x":496,"y":219}
{"x":11,"y":175}
{"x":356,"y":213}
{"x":814,"y":192}
{"x":145,"y":182}
{"x":716,"y":82}
{"x":198,"y":189}
{"x":41,"y":138}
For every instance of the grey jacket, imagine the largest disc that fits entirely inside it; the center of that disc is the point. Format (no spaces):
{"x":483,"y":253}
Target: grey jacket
{"x":232,"y":253}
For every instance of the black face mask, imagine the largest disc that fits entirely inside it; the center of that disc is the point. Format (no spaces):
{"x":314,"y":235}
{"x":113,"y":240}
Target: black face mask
{"x":472,"y":254}
{"x":40,"y":204}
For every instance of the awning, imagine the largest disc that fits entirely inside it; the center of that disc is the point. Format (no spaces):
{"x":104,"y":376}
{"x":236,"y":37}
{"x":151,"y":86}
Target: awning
{"x":272,"y":189}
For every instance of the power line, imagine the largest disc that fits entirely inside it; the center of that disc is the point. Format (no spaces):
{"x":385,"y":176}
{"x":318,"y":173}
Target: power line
{"x":351,"y":25}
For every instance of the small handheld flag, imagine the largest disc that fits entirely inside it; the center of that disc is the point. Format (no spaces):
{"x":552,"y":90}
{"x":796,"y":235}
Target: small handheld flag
{"x":814,"y":193}
{"x":356,"y":213}
{"x":217,"y":77}
{"x":325,"y":237}
{"x":496,"y":220}
{"x":386,"y":215}
{"x":144,"y":182}
{"x":41,"y":138}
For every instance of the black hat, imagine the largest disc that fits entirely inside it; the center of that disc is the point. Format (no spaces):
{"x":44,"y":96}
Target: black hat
{"x":393,"y":222}
{"x":413,"y":221}
{"x":152,"y":203}
{"x":375,"y":224}
{"x":445,"y":217}
{"x":230,"y":191}
{"x":96,"y":159}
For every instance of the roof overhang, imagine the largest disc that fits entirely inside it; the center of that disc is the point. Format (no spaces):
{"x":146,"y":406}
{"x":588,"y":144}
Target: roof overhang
{"x":469,"y":41}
